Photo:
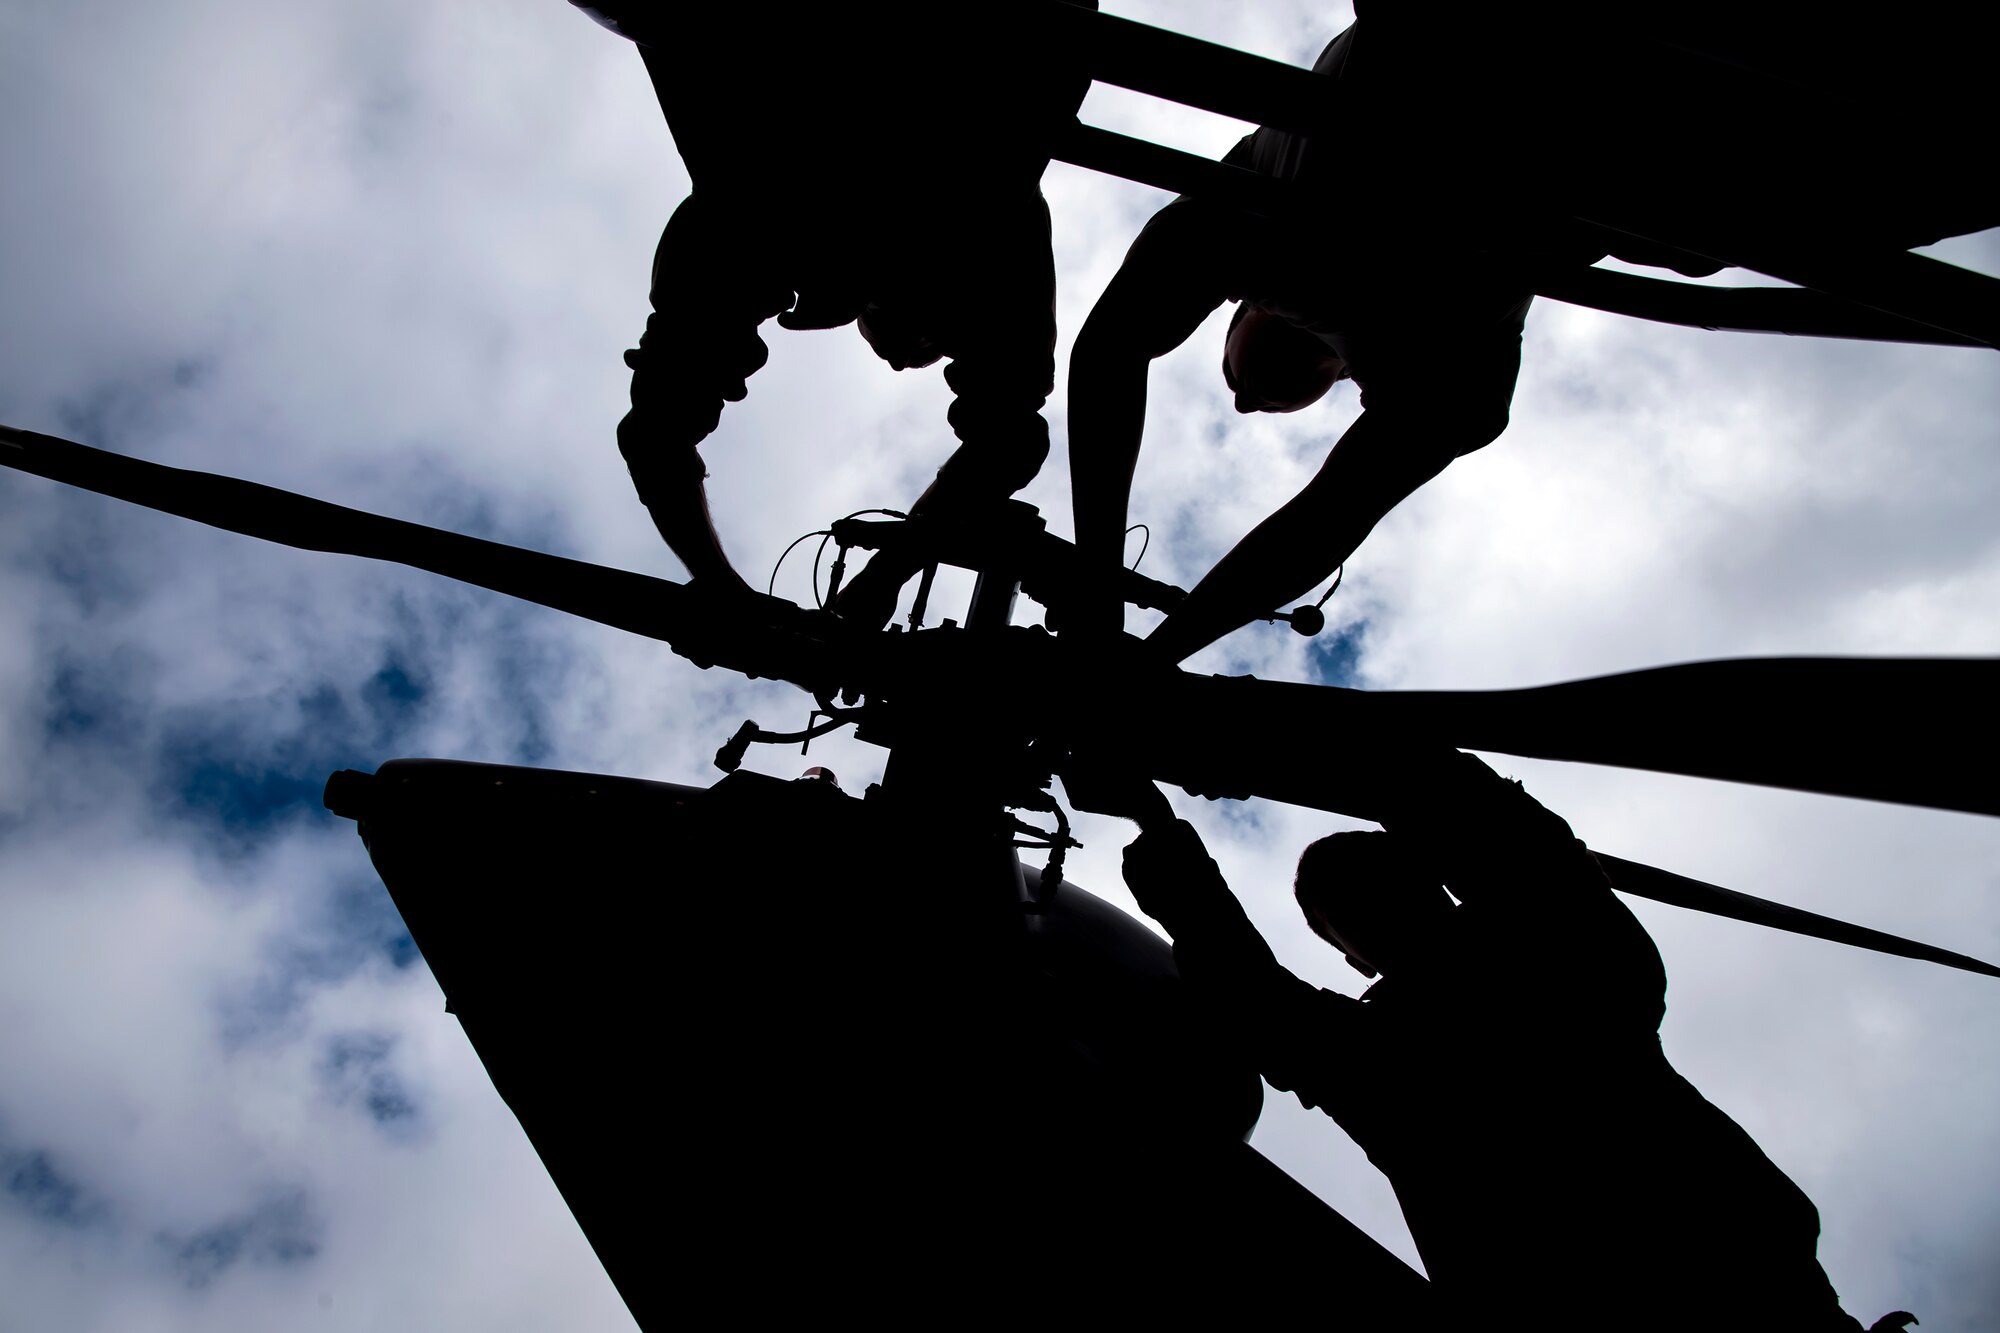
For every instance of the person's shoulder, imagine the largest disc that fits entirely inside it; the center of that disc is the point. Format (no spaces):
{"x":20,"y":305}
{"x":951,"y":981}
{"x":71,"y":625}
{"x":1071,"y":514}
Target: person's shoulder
{"x":1189,"y":243}
{"x":1333,"y":55}
{"x":1308,"y":1017}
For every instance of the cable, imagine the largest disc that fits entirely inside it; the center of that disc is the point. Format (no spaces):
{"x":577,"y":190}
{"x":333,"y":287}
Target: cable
{"x":840,"y":560}
{"x":1059,"y":845}
{"x":1336,"y":584}
{"x":730,"y":757}
{"x":771,"y":585}
{"x":770,"y":588}
{"x":1143,"y":544}
{"x":818,"y":600}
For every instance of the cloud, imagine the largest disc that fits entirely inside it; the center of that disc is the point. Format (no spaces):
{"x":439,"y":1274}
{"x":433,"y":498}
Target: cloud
{"x":391,"y":256}
{"x":31,"y":1181}
{"x":356,"y":1071}
{"x":278,"y":1230}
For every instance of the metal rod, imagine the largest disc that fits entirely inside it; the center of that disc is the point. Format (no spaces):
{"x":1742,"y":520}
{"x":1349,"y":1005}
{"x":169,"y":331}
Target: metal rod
{"x":1171,"y":169}
{"x":1663,"y":886}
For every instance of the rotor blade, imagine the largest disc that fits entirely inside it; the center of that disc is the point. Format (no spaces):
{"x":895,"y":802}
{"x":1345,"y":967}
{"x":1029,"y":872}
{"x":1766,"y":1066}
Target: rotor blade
{"x":1187,"y":70}
{"x":1775,"y":722}
{"x":1796,"y":311}
{"x":1902,"y":730}
{"x":1172,"y":170}
{"x":1896,"y":283}
{"x":747,"y":634}
{"x":1907,"y":731}
{"x":1663,"y":886}
{"x":1235,"y":737}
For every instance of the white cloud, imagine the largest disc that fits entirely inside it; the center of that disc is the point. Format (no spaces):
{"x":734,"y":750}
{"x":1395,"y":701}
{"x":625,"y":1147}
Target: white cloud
{"x":391,"y":258}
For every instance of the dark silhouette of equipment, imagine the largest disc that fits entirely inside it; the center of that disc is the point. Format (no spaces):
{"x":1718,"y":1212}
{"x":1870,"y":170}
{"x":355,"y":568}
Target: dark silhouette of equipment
{"x":919,"y":1081}
{"x":1765,"y":722}
{"x":945,"y":1068}
{"x":1034,"y":1016}
{"x":1732,"y":142}
{"x":1527,"y":1117}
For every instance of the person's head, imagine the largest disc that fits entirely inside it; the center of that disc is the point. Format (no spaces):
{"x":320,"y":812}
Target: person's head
{"x":1362,"y":894}
{"x":1273,"y":365}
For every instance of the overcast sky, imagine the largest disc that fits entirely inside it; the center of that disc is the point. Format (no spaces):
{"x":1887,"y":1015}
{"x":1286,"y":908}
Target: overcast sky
{"x":389,"y":255}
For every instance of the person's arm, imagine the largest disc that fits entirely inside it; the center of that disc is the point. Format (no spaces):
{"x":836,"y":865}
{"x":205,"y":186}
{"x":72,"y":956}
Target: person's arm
{"x":670,"y":484}
{"x":1377,"y":464}
{"x":1520,"y":867}
{"x":1491,"y":843}
{"x":1431,"y":404}
{"x":1169,"y":283}
{"x":1290,"y":1029}
{"x":1179,"y":885}
{"x":699,"y":349}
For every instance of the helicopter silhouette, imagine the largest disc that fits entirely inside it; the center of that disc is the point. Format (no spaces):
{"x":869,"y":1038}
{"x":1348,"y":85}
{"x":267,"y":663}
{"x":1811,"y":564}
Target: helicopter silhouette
{"x":1228,"y":738}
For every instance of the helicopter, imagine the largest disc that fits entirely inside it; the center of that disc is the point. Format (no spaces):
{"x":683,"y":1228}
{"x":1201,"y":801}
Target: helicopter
{"x":1059,"y":897}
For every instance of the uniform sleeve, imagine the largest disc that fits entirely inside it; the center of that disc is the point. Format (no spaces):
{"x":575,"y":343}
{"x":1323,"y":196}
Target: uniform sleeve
{"x":1518,"y":865}
{"x":1179,"y":885}
{"x":1308,"y":1040}
{"x":1292,"y":1031}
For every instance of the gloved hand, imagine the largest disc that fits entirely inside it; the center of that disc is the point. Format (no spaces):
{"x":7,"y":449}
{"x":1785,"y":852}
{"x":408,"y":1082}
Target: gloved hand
{"x":1105,"y":790}
{"x":1172,"y":875}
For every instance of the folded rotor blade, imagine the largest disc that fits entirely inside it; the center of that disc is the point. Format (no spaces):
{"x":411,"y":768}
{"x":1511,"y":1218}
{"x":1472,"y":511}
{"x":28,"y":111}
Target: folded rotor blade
{"x":752,"y":634}
{"x":1900,"y":730}
{"x":1334,"y":749}
{"x":1912,"y":731}
{"x":1907,"y":730}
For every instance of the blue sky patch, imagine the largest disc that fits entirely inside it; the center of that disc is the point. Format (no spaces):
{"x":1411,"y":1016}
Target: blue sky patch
{"x":116,"y":412}
{"x":279,"y":1230}
{"x":216,"y":769}
{"x":1335,"y":655}
{"x":355,"y":1070}
{"x":86,"y":552}
{"x":359,"y":914}
{"x":92,"y":700}
{"x":354,"y":924}
{"x":32,"y":1180}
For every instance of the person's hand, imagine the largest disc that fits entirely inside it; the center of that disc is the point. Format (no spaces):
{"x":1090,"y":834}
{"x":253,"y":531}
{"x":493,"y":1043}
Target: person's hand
{"x":1171,"y":874}
{"x":869,"y":598}
{"x":1092,"y":605}
{"x":1121,"y":793}
{"x":897,"y":338}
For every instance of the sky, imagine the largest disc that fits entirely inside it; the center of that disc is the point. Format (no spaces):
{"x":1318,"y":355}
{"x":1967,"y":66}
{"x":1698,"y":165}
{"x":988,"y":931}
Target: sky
{"x":390,"y":255}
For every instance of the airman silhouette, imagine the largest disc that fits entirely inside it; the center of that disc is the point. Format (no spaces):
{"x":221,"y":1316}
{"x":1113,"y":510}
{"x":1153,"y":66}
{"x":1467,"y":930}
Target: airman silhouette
{"x":1506,"y":1072}
{"x":873,"y":164}
{"x":1463,"y":152}
{"x":1325,"y":294}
